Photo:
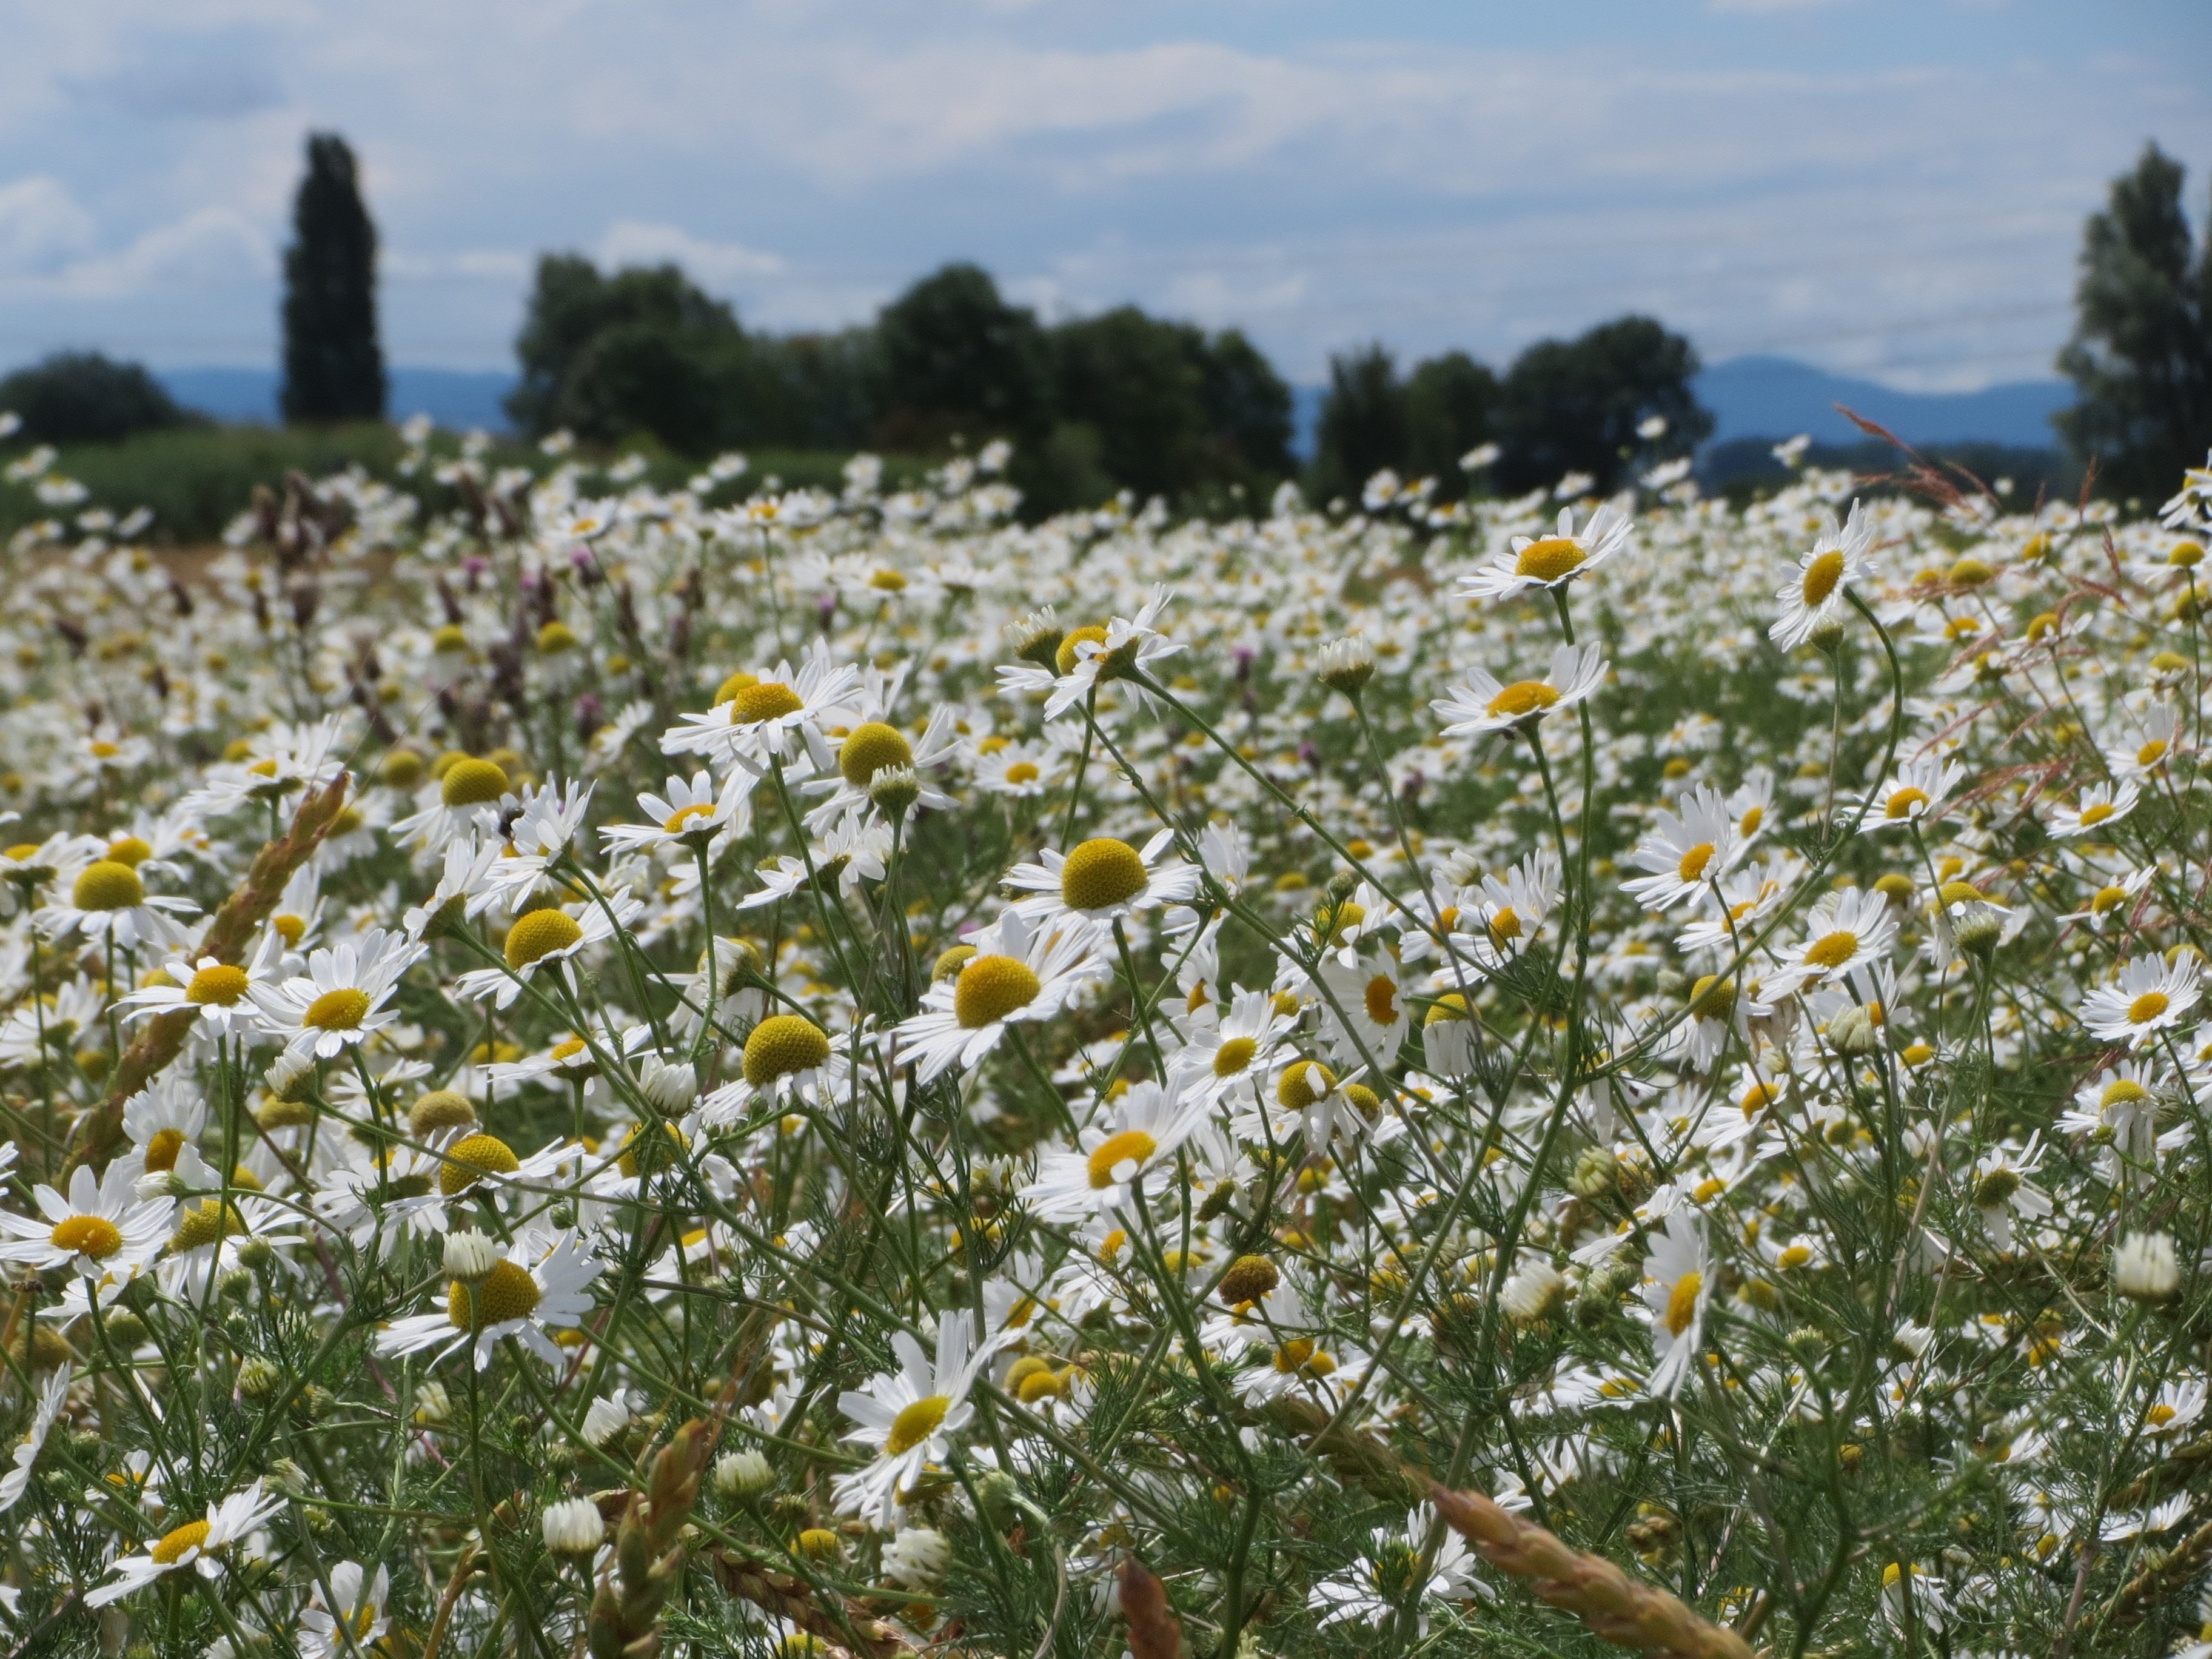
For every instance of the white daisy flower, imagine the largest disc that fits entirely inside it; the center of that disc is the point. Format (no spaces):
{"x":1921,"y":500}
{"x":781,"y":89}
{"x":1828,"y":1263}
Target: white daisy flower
{"x":1845,"y":932}
{"x":2150,"y":996}
{"x":1676,"y":1288}
{"x":341,"y":998}
{"x":2101,"y":806}
{"x":547,"y":940}
{"x":217,"y":996}
{"x":1135,"y":1147}
{"x":1102,"y":878}
{"x":108,"y":900}
{"x":1391,"y":1579}
{"x":538,"y":1284}
{"x":468,"y":800}
{"x":197,"y":1545}
{"x":1688,"y":852}
{"x":1487,"y":704}
{"x":692,"y":813}
{"x":1815,"y":596}
{"x":761,"y":715}
{"x":908,"y":1417}
{"x":52,"y":1399}
{"x":359,"y":1624}
{"x":1018,"y":973}
{"x":1551,"y":560}
{"x":102,"y":1226}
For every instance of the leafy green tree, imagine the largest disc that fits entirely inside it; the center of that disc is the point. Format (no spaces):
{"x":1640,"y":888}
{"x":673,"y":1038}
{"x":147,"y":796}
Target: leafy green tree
{"x":1451,"y":406}
{"x":642,"y":350}
{"x":957,"y":359}
{"x":2141,"y":351}
{"x":83,"y":398}
{"x":1574,"y":406}
{"x":1363,"y":424}
{"x":1138,"y":382}
{"x":1248,"y":408}
{"x":333,"y":366}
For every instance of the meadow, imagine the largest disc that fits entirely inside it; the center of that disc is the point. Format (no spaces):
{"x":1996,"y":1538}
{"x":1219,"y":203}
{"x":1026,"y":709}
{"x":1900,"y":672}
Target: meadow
{"x":612,"y":1062}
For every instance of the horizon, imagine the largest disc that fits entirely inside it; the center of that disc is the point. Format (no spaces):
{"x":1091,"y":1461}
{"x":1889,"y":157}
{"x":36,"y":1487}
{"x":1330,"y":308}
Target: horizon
{"x":1913,"y":181}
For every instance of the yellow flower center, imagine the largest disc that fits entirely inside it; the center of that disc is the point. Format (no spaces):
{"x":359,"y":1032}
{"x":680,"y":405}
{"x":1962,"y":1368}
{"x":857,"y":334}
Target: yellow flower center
{"x":94,"y":1235}
{"x":1022,"y":772}
{"x":2106,"y":898}
{"x":1130,"y":1147}
{"x":129,"y":849}
{"x":675,"y":820}
{"x":1822,"y":575}
{"x":783,"y":1044}
{"x":205,"y":1223}
{"x":107,"y":886}
{"x":2124,"y":1091}
{"x":872,"y":746}
{"x":1382,"y":998}
{"x":1752,"y":818}
{"x":1901,"y":804}
{"x":170,"y":1547}
{"x":342,"y":1009}
{"x":2151,"y":753}
{"x":1548,"y":558}
{"x":1064,"y":659}
{"x":1712,"y":998}
{"x":540,"y":933}
{"x":163,"y":1148}
{"x":1682,"y":1302}
{"x":1693,"y":862}
{"x":1794,"y":1256}
{"x":765,"y":700}
{"x":2146,"y":1007}
{"x":290,"y":929}
{"x":1449,"y":1006}
{"x":916,"y":1423}
{"x":507,"y":1292}
{"x":1523,"y":698}
{"x":1504,"y":926}
{"x":1101,"y":873}
{"x":1234,"y":1055}
{"x":221,"y":984}
{"x":103,"y":749}
{"x":991,"y":988}
{"x":887,"y":582}
{"x":634,"y":1156}
{"x":471,"y":1159}
{"x":1832,"y":950}
{"x":2161,"y":1414}
{"x":2096,"y":813}
{"x":556,"y":637}
{"x":470,"y":782}
{"x":1298,"y":1088}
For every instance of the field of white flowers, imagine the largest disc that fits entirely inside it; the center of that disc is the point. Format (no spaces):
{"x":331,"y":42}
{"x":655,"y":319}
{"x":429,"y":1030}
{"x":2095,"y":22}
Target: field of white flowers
{"x":734,"y":1072}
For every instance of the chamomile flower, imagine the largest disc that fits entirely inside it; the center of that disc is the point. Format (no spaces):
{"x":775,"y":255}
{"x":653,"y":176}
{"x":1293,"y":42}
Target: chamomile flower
{"x":1814,"y":599}
{"x":1400,"y":1570}
{"x":908,"y":1417}
{"x":2147,"y":996}
{"x":467,"y":801}
{"x":691,"y":813}
{"x":340,"y":1000}
{"x":1551,"y":561}
{"x":51,"y":1399}
{"x":2101,"y":806}
{"x":1686,"y":853}
{"x":1133,"y":1149}
{"x":764,"y":715}
{"x":547,"y":941}
{"x":1918,"y":792}
{"x":537,"y":1284}
{"x":1677,"y":1286}
{"x":356,"y":1625}
{"x":108,"y":900}
{"x":101,"y":1227}
{"x":1102,"y":878}
{"x":1487,"y":704}
{"x":216,"y":996}
{"x":1018,"y":973}
{"x":1844,"y":933}
{"x":197,"y":1545}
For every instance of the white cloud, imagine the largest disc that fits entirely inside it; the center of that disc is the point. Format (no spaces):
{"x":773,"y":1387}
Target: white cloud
{"x":719,"y":265}
{"x":213,"y":247}
{"x":41,"y":226}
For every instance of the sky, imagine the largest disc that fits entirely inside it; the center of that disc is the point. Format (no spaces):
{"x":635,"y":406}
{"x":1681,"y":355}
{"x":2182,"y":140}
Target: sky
{"x":1886,"y":187}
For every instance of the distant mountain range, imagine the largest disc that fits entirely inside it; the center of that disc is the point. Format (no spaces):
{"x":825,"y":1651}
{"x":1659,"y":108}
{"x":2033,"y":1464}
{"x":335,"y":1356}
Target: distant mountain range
{"x":1750,"y":397}
{"x":1779,"y":397}
{"x":457,"y":398}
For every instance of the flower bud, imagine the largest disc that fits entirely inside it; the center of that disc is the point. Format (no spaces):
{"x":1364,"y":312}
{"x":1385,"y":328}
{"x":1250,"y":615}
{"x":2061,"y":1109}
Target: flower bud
{"x":743,"y":1476}
{"x":895,"y":789}
{"x":572,"y":1527}
{"x":2145,"y":1267}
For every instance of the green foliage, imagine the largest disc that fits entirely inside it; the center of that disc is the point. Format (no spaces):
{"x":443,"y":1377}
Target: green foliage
{"x":1363,"y":423}
{"x":957,"y":359}
{"x":2141,"y":350}
{"x":333,"y":366}
{"x":1574,"y":406}
{"x":82,"y":397}
{"x":1451,"y":407}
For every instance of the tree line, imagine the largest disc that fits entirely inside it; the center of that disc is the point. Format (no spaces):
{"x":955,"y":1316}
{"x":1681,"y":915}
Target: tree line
{"x":1124,"y":400}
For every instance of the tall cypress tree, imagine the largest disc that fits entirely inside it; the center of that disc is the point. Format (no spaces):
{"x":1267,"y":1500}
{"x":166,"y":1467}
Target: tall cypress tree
{"x":333,"y":366}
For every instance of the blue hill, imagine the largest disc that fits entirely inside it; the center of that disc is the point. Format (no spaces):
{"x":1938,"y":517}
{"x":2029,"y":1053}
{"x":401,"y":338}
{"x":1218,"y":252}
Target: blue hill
{"x":459,"y":399}
{"x":1779,"y":398}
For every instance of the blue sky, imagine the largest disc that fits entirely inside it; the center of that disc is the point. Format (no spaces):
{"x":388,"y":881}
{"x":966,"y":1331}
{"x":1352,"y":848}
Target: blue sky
{"x":1890,"y":187}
